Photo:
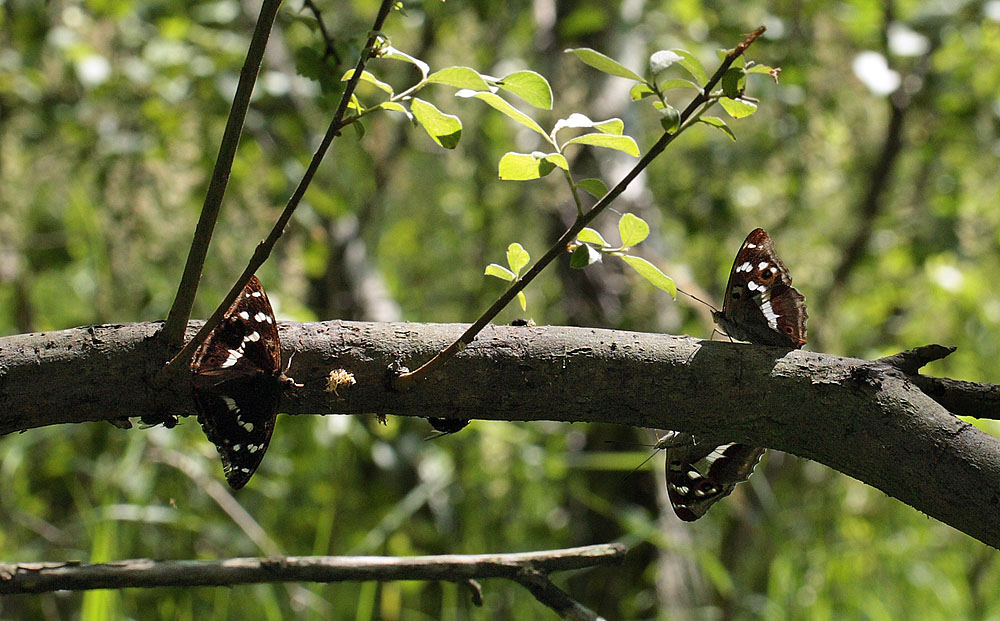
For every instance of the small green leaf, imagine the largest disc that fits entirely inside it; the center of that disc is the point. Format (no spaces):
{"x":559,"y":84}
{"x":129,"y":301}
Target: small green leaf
{"x":640,"y":91}
{"x":355,"y":104}
{"x":594,"y":187}
{"x":671,"y":119}
{"x":501,"y":104}
{"x":583,"y":256}
{"x":632,"y":229}
{"x":576,"y":120}
{"x":371,"y":79}
{"x":603,"y":63}
{"x":771,"y":71}
{"x":669,"y":85}
{"x":734,"y":80}
{"x":517,"y":257}
{"x":719,"y":124}
{"x":393,"y":53}
{"x":527,"y":166}
{"x":689,"y":62}
{"x":459,"y":77}
{"x":591,"y":236}
{"x":444,"y":129}
{"x":619,"y":143}
{"x":500,"y":272}
{"x":652,"y":273}
{"x":396,"y":107}
{"x":614,"y":127}
{"x":659,"y":61}
{"x":737,"y":108}
{"x":523,"y":300}
{"x":529,"y":86}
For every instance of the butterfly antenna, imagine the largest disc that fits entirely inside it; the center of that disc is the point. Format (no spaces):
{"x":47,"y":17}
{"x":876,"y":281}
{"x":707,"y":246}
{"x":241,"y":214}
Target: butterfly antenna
{"x":636,"y":469}
{"x":697,"y":299}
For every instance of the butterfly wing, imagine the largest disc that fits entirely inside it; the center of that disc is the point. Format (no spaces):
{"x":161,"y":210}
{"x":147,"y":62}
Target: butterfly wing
{"x":699,"y":475}
{"x":238,"y":418}
{"x":238,"y":383}
{"x":761,"y":305}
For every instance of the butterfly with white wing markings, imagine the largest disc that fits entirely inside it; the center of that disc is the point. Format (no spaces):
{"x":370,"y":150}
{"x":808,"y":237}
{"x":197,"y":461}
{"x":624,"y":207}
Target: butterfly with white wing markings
{"x":238,"y":383}
{"x":761,"y":307}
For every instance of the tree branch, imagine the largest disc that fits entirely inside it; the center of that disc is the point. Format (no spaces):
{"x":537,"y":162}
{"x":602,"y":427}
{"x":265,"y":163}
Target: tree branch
{"x":146,"y":573}
{"x":864,"y":418}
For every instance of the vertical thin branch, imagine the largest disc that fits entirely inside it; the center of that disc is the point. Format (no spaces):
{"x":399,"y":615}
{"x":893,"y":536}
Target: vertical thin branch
{"x":180,"y":312}
{"x":263,"y":250}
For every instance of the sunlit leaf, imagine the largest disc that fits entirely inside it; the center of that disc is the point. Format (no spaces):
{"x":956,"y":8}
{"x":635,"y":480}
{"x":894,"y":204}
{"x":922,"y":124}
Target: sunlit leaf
{"x":737,"y":108}
{"x":669,"y":85}
{"x":371,"y":79}
{"x":619,"y":143}
{"x":396,"y":107}
{"x":632,"y":229}
{"x":659,"y":61}
{"x":517,"y":257}
{"x":652,"y":273}
{"x":501,"y":104}
{"x":527,"y":166}
{"x":500,"y":272}
{"x":671,"y":119}
{"x":603,"y":63}
{"x":591,"y":236}
{"x":393,"y":53}
{"x":733,"y":82}
{"x":719,"y":124}
{"x":640,"y":91}
{"x":444,"y":129}
{"x":689,"y":62}
{"x":523,"y":300}
{"x":529,"y":86}
{"x":459,"y":77}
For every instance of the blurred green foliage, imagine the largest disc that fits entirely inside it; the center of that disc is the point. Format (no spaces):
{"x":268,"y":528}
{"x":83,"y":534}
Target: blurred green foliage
{"x":110,"y":119}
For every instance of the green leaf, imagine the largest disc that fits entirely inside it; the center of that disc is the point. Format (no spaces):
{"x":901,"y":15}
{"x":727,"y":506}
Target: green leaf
{"x":771,"y":71}
{"x":603,"y":63}
{"x":733,"y":82}
{"x":591,"y":236}
{"x":652,"y":273}
{"x":583,"y":256}
{"x":669,"y":85}
{"x":632,"y":229}
{"x":371,"y":79}
{"x":640,"y":91}
{"x":618,"y":143}
{"x":594,"y":187}
{"x":689,"y":62}
{"x":523,"y":300}
{"x":444,"y":129}
{"x":459,"y":77}
{"x":529,"y":86}
{"x":576,"y":120}
{"x":393,"y":53}
{"x":659,"y":61}
{"x":737,"y":108}
{"x":719,"y":124}
{"x":499,"y":103}
{"x":500,"y":272}
{"x":396,"y":107}
{"x":671,"y":119}
{"x":527,"y":166}
{"x":517,"y":257}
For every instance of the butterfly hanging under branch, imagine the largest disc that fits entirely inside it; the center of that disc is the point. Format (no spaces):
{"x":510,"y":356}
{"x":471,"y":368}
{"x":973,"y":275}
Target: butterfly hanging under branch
{"x":238,"y":383}
{"x":761,"y":307}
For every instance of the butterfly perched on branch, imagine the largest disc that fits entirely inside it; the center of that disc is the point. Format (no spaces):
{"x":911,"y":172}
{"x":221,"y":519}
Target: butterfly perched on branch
{"x":238,"y":383}
{"x":761,"y":307}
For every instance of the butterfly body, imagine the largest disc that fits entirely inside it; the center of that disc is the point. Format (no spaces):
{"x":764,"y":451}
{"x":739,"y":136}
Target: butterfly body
{"x":238,"y":383}
{"x":760,"y":307}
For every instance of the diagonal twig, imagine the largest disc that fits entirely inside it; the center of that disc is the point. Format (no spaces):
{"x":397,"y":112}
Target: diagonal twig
{"x":180,"y":312}
{"x":406,"y":381}
{"x":263,"y":250}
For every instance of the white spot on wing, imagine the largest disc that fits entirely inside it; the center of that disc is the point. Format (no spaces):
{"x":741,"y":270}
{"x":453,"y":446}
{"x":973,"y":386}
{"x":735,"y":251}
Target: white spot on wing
{"x":253,"y":337}
{"x":746,"y":267}
{"x":256,"y":294}
{"x":260,"y":317}
{"x":244,"y":315}
{"x":762,"y":265}
{"x":248,"y":426}
{"x":769,"y":314}
{"x":749,"y":245}
{"x":234,"y":356}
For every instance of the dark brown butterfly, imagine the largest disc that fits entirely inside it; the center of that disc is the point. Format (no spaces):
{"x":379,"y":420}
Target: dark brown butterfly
{"x":238,"y":383}
{"x":763,"y":308}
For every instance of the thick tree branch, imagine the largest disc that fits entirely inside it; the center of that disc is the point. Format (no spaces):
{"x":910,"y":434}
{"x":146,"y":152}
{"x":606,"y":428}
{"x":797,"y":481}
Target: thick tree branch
{"x":46,"y":577}
{"x":866,"y":419}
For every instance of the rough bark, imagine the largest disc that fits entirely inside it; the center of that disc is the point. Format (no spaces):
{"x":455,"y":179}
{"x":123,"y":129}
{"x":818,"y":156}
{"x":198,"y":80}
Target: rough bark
{"x":866,"y":419}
